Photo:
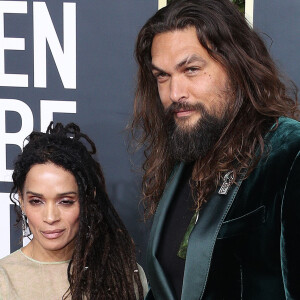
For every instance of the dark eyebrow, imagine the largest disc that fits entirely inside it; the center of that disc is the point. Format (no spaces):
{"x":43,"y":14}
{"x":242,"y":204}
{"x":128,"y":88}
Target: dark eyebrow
{"x":155,"y":68}
{"x":34,"y":194}
{"x":68,"y":193}
{"x":187,"y":60}
{"x":190,"y":59}
{"x":60,"y":195}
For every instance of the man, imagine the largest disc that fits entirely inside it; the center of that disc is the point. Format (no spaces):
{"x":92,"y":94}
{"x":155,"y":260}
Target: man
{"x":222,"y":169}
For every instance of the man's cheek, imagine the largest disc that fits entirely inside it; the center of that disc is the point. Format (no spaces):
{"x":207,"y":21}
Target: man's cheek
{"x":165,"y":101}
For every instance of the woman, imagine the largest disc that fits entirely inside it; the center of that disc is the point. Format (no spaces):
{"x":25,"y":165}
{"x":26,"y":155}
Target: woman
{"x":80,"y":248}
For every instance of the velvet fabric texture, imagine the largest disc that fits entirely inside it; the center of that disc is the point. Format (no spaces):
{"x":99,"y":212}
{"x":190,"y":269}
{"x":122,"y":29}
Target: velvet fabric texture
{"x":245,"y":245}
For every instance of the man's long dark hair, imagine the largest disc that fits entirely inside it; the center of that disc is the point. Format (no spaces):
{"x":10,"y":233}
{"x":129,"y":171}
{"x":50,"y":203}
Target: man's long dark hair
{"x":103,"y":264}
{"x":260,"y":96}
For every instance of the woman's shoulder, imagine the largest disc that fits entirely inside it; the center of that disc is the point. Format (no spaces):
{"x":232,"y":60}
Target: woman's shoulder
{"x":11,"y":259}
{"x":9,"y":264}
{"x":47,"y":280}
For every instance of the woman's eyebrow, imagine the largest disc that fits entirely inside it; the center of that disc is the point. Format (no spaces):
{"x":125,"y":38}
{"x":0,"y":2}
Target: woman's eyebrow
{"x":67,"y":193}
{"x":60,"y":194}
{"x":34,"y":194}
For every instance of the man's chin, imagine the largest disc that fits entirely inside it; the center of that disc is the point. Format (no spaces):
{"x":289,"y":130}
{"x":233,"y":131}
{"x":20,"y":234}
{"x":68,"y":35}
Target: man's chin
{"x":187,"y":124}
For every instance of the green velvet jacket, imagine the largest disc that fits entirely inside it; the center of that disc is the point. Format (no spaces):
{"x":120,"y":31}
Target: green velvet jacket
{"x":246,"y":244}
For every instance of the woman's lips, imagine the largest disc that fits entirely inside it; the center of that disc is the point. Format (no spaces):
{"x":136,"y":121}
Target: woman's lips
{"x":52,"y":234}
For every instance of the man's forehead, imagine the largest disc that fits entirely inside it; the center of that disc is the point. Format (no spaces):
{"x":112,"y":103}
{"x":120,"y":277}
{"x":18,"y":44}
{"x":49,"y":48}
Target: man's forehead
{"x":177,"y":47}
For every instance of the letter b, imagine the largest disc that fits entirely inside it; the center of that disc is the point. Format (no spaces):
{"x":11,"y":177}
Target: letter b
{"x":16,"y":138}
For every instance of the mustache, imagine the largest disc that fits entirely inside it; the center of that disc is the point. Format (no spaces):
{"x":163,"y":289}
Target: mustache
{"x":176,"y":106}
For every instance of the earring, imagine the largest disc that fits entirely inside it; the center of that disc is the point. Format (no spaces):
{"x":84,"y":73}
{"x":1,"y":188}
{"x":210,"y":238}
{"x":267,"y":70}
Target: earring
{"x":25,"y":227}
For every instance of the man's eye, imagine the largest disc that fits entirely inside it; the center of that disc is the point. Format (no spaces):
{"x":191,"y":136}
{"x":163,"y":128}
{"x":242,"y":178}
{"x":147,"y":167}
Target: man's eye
{"x":161,"y":76}
{"x":191,"y":70}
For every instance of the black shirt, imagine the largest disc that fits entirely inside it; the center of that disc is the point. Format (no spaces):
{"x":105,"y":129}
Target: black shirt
{"x":178,"y":218}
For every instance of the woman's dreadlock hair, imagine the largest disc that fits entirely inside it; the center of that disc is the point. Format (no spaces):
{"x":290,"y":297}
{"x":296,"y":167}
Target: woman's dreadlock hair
{"x":103,"y":264}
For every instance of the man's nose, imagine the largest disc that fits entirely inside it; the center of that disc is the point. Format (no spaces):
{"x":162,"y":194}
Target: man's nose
{"x":178,"y":89}
{"x":51,"y":213}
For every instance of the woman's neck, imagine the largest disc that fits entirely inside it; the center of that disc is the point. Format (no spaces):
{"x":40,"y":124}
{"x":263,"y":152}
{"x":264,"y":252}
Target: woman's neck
{"x":36,"y":252}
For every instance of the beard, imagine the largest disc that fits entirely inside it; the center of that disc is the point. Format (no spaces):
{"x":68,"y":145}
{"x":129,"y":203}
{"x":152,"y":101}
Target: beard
{"x":187,"y":142}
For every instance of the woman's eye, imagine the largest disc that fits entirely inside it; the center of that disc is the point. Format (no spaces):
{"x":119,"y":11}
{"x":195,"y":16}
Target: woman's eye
{"x":66,"y":202}
{"x":35,"y":202}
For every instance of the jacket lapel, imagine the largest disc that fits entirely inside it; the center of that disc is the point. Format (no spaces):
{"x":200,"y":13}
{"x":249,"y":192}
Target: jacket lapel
{"x":158,"y":281}
{"x":202,"y":241}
